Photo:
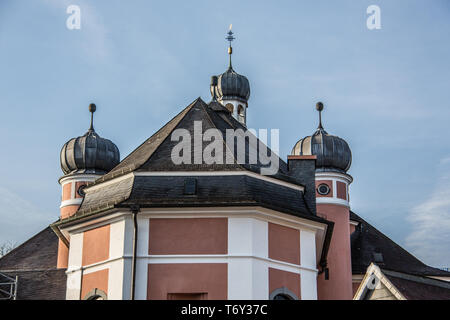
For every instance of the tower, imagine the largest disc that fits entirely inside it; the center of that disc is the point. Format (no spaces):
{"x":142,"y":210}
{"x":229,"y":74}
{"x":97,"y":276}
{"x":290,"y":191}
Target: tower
{"x":332,"y":200}
{"x":83,"y":159}
{"x":233,"y":89}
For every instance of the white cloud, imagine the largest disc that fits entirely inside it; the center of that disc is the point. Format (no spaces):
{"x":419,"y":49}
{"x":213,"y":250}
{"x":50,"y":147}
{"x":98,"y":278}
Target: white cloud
{"x":430,"y":238}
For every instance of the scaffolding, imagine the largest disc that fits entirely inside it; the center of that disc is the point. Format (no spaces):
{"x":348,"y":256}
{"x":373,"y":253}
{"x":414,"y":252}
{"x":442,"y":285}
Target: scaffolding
{"x":8,"y":287}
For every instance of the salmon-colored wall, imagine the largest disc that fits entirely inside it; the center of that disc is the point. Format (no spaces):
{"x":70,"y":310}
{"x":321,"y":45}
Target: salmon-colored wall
{"x":67,"y":191}
{"x":188,"y":236}
{"x":94,"y":280}
{"x":63,"y":256}
{"x":96,"y":245}
{"x":339,"y":285}
{"x":209,"y":280}
{"x":279,"y":278}
{"x":329,"y":183}
{"x":284,"y":243}
{"x":341,"y":190}
{"x":68,"y":211}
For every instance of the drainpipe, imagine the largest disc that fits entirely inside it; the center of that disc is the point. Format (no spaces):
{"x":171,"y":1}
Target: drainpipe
{"x":134,"y":211}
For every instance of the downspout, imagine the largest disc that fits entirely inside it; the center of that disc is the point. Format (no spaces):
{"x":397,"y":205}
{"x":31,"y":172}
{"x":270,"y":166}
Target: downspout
{"x":134,"y":210}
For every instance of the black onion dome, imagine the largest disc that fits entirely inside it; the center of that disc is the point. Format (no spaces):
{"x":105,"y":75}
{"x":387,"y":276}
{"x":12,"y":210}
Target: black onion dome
{"x":232,"y":85}
{"x":89,"y":153}
{"x":332,"y":152}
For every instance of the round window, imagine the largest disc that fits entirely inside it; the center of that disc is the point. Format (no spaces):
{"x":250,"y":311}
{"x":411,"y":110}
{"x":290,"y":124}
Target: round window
{"x":323,"y":189}
{"x":81,"y":190}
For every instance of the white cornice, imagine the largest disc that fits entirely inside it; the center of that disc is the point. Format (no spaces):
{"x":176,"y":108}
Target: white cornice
{"x":78,"y":177}
{"x":331,"y":200}
{"x":336,"y":175}
{"x":71,"y":202}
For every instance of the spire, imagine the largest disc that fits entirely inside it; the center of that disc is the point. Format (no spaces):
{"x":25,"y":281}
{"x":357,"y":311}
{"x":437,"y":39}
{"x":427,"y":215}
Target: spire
{"x":230,"y":48}
{"x":319,"y":107}
{"x":92,"y":109}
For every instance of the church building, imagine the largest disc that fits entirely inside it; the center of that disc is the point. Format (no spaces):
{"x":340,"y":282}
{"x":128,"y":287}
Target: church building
{"x":150,"y":228}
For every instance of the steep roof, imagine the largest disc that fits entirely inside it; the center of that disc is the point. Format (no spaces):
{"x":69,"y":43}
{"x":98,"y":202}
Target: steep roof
{"x":278,"y":191}
{"x":155,"y":153}
{"x":34,"y":262}
{"x":369,"y":245}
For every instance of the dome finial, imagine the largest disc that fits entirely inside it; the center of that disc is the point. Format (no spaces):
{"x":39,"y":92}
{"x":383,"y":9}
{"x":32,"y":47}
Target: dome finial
{"x":230,"y":48}
{"x":319,"y":107}
{"x":92,"y":108}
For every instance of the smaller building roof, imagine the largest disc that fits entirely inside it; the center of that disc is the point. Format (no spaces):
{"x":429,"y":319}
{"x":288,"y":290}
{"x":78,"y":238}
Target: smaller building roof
{"x":369,"y":245}
{"x":34,"y":262}
{"x":382,"y":284}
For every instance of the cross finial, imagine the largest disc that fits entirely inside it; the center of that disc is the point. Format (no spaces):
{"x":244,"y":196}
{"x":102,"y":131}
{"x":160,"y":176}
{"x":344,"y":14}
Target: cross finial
{"x":230,"y":38}
{"x":92,"y":108}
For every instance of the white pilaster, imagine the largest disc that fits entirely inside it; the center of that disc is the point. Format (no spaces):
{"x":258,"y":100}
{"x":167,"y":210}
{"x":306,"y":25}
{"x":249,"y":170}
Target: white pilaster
{"x":116,"y":267}
{"x":142,"y":264}
{"x":308,"y":278}
{"x":247,"y":276}
{"x":74,"y":272}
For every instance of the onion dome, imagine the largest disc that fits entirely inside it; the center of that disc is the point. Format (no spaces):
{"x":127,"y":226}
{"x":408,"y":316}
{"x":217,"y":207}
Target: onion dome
{"x":231,"y":85}
{"x":89,"y":153}
{"x":332,"y":152}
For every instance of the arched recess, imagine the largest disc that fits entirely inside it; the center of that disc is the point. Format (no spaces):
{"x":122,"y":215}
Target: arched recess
{"x":241,"y":113}
{"x":282,"y":293}
{"x":96,"y":294}
{"x":230,"y":107}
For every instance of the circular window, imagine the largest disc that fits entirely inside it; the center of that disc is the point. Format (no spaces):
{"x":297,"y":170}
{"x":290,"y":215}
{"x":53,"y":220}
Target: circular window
{"x":80,"y":190}
{"x":323,"y":189}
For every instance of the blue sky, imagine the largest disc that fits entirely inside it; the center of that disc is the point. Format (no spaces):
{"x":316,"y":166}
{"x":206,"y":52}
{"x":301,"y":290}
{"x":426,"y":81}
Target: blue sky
{"x":385,"y":91}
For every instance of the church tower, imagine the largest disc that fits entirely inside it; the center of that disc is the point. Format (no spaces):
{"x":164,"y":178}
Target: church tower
{"x":232,"y":89}
{"x":83,"y":160}
{"x":332,"y":201}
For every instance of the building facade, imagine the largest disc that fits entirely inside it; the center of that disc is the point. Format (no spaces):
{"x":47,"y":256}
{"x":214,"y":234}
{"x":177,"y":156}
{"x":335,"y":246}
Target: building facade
{"x":214,"y":225}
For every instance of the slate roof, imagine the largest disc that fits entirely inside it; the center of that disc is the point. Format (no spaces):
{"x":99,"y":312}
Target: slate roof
{"x":370,"y":245}
{"x":419,"y":288}
{"x":35,"y":263}
{"x":154,"y":155}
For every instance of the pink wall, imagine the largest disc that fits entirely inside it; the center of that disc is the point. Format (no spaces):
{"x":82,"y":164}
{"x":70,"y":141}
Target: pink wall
{"x":339,"y":285}
{"x":94,"y":280}
{"x":189,"y":280}
{"x":188,"y":236}
{"x":280,"y":278}
{"x":284,"y":243}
